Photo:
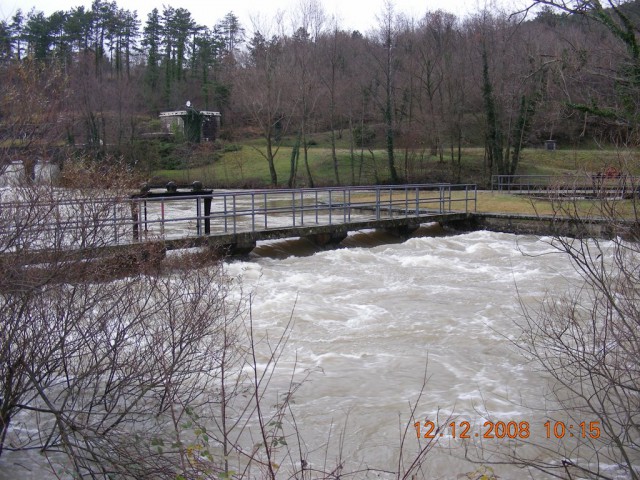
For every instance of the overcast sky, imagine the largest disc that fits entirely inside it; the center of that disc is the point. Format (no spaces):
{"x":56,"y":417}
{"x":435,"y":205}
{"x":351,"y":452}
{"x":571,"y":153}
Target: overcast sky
{"x":352,"y":14}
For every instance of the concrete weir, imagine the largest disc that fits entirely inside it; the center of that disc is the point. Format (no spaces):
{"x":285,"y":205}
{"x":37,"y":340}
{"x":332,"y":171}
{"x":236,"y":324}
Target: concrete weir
{"x":544,"y":225}
{"x":242,"y":243}
{"x":321,"y":235}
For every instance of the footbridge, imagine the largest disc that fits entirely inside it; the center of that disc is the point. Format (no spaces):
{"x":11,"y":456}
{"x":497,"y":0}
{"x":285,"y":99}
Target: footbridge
{"x":236,"y":220}
{"x":231,"y":220}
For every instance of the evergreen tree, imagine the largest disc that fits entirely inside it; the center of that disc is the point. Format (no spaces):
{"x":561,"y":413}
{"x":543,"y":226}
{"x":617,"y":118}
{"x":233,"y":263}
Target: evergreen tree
{"x":78,"y":28}
{"x":232,"y":33}
{"x":38,"y":35}
{"x":151,"y":41}
{"x":17,"y":34}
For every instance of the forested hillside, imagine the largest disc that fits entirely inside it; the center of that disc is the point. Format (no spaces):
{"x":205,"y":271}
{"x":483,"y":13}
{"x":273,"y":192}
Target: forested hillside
{"x":95,"y":80}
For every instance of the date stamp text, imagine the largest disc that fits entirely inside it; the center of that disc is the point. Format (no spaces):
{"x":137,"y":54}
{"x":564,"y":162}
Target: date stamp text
{"x":512,"y":429}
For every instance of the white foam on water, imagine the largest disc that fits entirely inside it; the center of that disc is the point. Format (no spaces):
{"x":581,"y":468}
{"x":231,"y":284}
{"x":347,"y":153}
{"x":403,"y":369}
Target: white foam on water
{"x":372,"y":319}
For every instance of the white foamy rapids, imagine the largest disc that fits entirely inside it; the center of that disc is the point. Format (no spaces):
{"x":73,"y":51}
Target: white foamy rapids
{"x":368,"y":321}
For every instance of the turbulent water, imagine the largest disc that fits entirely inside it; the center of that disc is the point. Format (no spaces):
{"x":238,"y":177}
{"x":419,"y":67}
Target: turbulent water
{"x":371,"y":319}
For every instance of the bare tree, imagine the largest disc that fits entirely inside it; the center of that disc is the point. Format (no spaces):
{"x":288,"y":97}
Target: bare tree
{"x":31,"y":102}
{"x":600,"y":81}
{"x":384,"y":55}
{"x":263,"y":86}
{"x":333,"y":57}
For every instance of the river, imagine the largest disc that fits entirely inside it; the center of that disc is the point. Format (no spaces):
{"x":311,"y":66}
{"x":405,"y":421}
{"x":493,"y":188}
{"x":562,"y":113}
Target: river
{"x":373,"y":319}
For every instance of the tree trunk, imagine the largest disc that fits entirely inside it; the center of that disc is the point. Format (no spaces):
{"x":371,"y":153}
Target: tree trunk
{"x":270,"y":159}
{"x":295,"y":155}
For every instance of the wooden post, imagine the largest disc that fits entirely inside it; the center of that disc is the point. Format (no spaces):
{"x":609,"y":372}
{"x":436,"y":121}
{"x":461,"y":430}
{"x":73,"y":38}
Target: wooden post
{"x":207,"y":214}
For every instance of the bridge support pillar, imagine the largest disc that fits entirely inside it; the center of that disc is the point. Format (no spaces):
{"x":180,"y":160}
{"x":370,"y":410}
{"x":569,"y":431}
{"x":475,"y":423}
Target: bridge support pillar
{"x":403,"y":231}
{"x":464,"y":225}
{"x":241,"y":248}
{"x":322,"y":239}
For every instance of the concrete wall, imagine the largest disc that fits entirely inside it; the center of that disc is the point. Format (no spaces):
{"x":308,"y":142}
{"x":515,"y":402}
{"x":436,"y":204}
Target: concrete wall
{"x":546,"y":226}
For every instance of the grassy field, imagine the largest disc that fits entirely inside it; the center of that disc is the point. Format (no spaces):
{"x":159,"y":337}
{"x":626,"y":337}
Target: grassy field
{"x":249,"y":167}
{"x":495,"y":202}
{"x":246,"y":166}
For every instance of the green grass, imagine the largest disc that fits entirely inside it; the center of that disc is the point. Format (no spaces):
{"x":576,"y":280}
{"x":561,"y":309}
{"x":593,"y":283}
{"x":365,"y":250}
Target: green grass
{"x":495,"y":202}
{"x":570,"y":161}
{"x":248,"y":166}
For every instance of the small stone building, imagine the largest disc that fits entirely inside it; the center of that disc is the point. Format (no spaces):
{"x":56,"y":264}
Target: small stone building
{"x":197,"y":126}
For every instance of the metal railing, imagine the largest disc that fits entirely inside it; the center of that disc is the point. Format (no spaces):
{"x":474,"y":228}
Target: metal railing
{"x":84,"y":223}
{"x":241,"y":211}
{"x":594,"y":185}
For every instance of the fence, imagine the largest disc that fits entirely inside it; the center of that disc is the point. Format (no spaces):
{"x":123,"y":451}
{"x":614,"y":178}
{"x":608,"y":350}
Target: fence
{"x":240,"y":211}
{"x":53,"y":223}
{"x":587,"y":185}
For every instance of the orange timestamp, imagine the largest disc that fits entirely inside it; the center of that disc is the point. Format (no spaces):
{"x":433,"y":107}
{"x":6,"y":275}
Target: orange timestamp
{"x":500,"y":429}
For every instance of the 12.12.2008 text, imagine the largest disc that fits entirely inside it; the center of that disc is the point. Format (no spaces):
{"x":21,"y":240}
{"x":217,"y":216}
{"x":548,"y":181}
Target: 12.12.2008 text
{"x":501,"y":429}
{"x":463,"y":429}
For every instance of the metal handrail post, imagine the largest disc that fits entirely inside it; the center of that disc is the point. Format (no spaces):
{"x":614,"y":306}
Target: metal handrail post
{"x":198,"y":213}
{"x":293,"y":207}
{"x":475,"y":198}
{"x":207,"y":214}
{"x":253,"y":212}
{"x":330,"y":208}
{"x":146,"y":219}
{"x":234,"y":215}
{"x":377,"y":202}
{"x":224,"y":214}
{"x":344,"y":205}
{"x":162,"y":217}
{"x":406,"y":201}
{"x":140,"y":221}
{"x":266,"y":214}
{"x":466,"y":199}
{"x":134,"y":219}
